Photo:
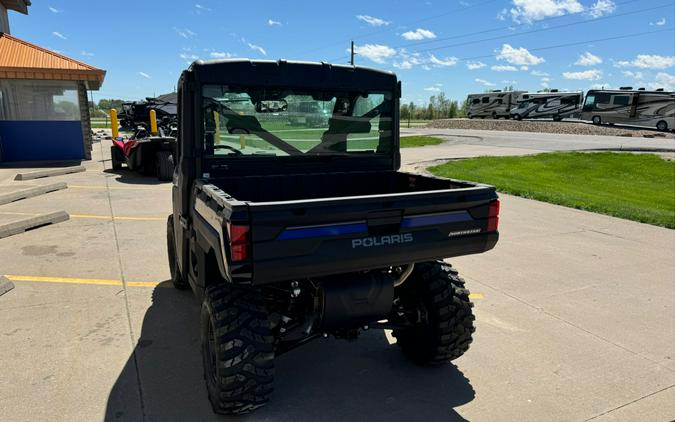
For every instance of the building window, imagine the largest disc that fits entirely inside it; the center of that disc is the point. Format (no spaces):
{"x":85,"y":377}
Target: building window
{"x":486,"y":100}
{"x":38,"y":100}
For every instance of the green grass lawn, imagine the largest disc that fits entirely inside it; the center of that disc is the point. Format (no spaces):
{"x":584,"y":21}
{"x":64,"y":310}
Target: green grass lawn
{"x":639,"y":187}
{"x":418,"y":141}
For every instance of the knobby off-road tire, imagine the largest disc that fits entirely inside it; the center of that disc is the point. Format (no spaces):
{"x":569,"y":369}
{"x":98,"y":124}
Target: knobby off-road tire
{"x":164,"y":162}
{"x":176,"y":278}
{"x":446,"y":333}
{"x":116,"y":157}
{"x":237,"y":349}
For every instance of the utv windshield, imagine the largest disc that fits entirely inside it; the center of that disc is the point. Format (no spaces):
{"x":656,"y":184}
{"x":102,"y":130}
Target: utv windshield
{"x":294,"y":122}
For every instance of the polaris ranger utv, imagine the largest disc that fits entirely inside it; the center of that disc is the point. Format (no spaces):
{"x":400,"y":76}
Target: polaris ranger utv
{"x":288,"y":234}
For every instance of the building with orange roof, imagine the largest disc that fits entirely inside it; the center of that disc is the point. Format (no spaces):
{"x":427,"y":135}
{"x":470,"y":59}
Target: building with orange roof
{"x":44,"y":110}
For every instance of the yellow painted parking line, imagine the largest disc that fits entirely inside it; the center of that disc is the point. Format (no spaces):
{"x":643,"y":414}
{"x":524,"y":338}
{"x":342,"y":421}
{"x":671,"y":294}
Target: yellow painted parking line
{"x":110,"y":282}
{"x":157,"y":188}
{"x":70,"y":280}
{"x":96,"y":217}
{"x":108,"y":217}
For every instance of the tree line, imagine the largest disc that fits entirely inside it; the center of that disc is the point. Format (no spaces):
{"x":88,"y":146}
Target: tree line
{"x":438,"y":107}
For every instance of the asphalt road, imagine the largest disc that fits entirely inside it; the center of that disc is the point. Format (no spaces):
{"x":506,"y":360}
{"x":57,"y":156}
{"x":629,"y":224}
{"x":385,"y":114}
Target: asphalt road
{"x":472,"y":143}
{"x":575,"y":316}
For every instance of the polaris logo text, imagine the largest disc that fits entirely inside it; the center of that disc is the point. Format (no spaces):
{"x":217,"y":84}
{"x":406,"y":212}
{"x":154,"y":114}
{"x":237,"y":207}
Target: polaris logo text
{"x":394,"y":239}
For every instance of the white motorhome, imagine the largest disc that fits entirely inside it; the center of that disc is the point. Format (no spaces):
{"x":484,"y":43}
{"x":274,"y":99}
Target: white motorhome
{"x":553,"y":105}
{"x":494,"y":104}
{"x":631,"y":107}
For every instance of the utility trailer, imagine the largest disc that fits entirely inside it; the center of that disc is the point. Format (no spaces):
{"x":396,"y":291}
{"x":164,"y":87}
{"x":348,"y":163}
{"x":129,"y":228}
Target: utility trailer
{"x":552,"y":105}
{"x":654,"y":109}
{"x":494,"y":104}
{"x":286,"y":238}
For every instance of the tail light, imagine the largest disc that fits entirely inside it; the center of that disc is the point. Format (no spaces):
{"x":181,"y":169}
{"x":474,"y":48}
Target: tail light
{"x":239,"y":242}
{"x":493,"y":216}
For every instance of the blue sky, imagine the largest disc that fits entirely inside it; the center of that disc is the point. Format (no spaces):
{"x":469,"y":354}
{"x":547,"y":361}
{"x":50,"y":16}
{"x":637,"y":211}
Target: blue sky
{"x":453,"y":46}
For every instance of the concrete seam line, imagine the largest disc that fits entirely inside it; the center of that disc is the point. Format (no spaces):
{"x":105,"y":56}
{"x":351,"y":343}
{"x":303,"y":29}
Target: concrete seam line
{"x":5,"y":285}
{"x":20,"y":226}
{"x":125,"y":285}
{"x":49,"y":172}
{"x":6,"y":198}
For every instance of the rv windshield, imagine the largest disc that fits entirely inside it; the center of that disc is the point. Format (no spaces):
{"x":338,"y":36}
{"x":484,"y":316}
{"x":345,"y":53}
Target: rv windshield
{"x":241,"y":121}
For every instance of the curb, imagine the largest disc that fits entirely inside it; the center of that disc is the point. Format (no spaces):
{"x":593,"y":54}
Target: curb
{"x":6,"y":198}
{"x":5,"y":285}
{"x":20,"y":226}
{"x":48,"y":173}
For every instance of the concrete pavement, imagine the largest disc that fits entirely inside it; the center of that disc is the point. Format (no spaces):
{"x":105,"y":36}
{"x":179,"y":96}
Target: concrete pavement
{"x":576,"y":322}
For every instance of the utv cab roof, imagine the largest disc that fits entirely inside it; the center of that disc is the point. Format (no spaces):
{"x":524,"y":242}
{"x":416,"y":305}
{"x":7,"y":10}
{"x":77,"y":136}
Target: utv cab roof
{"x":292,"y":73}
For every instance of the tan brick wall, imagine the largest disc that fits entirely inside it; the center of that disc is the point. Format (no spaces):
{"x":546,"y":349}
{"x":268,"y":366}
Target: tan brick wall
{"x":85,"y":119}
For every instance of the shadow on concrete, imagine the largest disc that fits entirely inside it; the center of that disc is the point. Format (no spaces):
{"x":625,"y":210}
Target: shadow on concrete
{"x":131,"y":177}
{"x":39,"y":164}
{"x":324,"y":380}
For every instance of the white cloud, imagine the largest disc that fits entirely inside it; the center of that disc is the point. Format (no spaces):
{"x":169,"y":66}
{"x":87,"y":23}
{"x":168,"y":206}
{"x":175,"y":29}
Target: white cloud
{"x":188,"y":56}
{"x":372,"y":21}
{"x":633,"y":75}
{"x":145,"y":75}
{"x":257,"y":48}
{"x":272,"y":22}
{"x":665,"y":81}
{"x":588,"y":75}
{"x":483,"y":82}
{"x":659,"y":22}
{"x":538,"y":73}
{"x":601,"y":8}
{"x":446,"y":62}
{"x":220,"y":55}
{"x":201,"y":8}
{"x":510,"y":82}
{"x":375,"y":52}
{"x":518,"y":56}
{"x":86,"y":53}
{"x":544,"y":84}
{"x":533,"y":10}
{"x":504,"y":68}
{"x":418,"y":34}
{"x":546,"y":79}
{"x":433,"y":88}
{"x":184,"y":33}
{"x":407,"y":62}
{"x":601,"y":86}
{"x":588,"y":59}
{"x":475,"y":65}
{"x":649,"y":61}
{"x":54,"y":10}
{"x":525,"y":68}
{"x":59,"y":35}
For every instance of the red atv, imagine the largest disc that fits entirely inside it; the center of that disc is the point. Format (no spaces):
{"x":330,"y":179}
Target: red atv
{"x":149,"y":155}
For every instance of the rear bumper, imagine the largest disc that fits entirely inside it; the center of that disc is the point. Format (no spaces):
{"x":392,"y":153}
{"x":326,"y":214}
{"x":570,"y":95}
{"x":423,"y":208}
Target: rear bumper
{"x":340,"y":255}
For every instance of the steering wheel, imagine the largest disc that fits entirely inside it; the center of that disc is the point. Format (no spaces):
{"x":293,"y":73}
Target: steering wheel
{"x":233,"y":149}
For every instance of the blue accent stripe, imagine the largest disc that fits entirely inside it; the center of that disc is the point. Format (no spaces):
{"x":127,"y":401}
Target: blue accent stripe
{"x":432,"y":220}
{"x":336,"y":230}
{"x":362,"y":228}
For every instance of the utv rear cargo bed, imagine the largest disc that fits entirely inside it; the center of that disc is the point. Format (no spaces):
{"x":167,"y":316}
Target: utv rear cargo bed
{"x":309,"y":225}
